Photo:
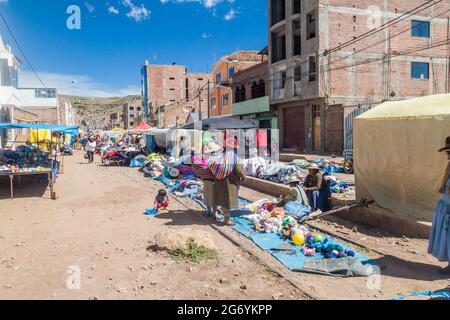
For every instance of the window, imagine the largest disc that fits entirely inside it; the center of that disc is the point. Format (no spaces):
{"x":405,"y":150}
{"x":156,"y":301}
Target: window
{"x":131,"y":124}
{"x":239,"y":94}
{"x":258,"y":89}
{"x":310,"y":25}
{"x":297,"y":5}
{"x":172,"y":89}
{"x":297,"y":38}
{"x":131,"y":108}
{"x":420,"y":29}
{"x":218,"y":77}
{"x":225,"y":100}
{"x":231,"y":73}
{"x":200,"y":79}
{"x":278,"y":47}
{"x":213,"y":103}
{"x":139,"y":109}
{"x":312,"y":69}
{"x":171,"y":78}
{"x":45,"y":93}
{"x":278,"y":10}
{"x":132,"y":115}
{"x":298,"y":73}
{"x":420,"y":70}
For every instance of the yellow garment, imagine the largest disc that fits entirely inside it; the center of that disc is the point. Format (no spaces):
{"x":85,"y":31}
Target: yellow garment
{"x":42,"y":137}
{"x":396,"y":156}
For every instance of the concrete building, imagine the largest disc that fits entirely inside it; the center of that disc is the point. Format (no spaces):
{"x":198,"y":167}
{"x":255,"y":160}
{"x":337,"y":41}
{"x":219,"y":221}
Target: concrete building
{"x":221,"y":93}
{"x":251,"y":96}
{"x":323,"y":72}
{"x":133,"y":114}
{"x":170,"y":93}
{"x":27,"y":105}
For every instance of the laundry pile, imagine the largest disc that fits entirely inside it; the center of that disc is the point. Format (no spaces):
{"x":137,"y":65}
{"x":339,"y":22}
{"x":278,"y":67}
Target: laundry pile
{"x":24,"y":159}
{"x":283,"y":173}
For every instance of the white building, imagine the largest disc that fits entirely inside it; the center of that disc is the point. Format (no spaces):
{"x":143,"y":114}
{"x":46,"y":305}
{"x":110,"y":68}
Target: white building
{"x":28,"y":105}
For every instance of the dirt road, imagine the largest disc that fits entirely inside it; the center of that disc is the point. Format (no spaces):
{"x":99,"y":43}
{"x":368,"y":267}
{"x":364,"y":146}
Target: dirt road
{"x":97,"y":227}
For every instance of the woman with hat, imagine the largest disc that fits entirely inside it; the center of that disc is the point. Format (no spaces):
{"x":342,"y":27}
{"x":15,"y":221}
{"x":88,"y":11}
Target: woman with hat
{"x":439,"y":245}
{"x":316,"y":189}
{"x":229,"y":176}
{"x":296,"y":193}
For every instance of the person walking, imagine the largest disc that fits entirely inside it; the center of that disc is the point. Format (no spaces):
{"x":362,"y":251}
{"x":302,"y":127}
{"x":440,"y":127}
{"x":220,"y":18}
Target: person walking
{"x":439,"y":245}
{"x":90,"y":149}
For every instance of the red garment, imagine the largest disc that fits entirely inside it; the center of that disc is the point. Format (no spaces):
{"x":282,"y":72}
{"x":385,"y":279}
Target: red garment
{"x":162,"y":205}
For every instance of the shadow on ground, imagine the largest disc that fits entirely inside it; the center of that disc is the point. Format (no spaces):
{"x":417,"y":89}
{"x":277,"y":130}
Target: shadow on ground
{"x":30,"y":187}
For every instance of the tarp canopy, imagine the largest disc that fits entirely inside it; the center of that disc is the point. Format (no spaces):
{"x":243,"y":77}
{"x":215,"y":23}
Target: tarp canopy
{"x":142,"y":127}
{"x":61,"y":129}
{"x":221,"y":124}
{"x":397,"y":163}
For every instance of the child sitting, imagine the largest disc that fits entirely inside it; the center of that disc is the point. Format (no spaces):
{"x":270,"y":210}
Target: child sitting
{"x":162,"y":200}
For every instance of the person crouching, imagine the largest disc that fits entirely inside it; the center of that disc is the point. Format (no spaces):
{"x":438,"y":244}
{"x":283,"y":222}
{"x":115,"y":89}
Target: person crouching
{"x":162,"y":200}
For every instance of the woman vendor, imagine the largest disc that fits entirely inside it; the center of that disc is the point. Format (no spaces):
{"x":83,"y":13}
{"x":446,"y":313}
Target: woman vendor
{"x":296,"y":193}
{"x":201,"y":169}
{"x":316,"y":189}
{"x":439,"y":245}
{"x":227,"y":189}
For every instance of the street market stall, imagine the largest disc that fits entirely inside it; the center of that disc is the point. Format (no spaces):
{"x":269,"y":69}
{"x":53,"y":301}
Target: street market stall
{"x":396,"y":158}
{"x":35,"y":159}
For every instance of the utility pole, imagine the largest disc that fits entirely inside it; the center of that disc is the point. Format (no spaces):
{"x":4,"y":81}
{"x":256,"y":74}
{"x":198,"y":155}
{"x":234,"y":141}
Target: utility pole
{"x":209,"y":102}
{"x":200,"y":116}
{"x":448,"y":56}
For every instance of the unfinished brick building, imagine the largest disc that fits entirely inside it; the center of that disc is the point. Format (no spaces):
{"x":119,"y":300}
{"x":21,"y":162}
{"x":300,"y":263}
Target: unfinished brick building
{"x":332,"y":59}
{"x":170,"y":93}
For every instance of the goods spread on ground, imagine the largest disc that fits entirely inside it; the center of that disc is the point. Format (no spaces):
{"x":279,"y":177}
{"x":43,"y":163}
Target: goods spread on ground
{"x":272,"y":228}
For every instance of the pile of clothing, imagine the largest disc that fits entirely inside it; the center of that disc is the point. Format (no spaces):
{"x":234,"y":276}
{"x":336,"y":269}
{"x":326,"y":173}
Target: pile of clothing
{"x":24,"y":159}
{"x":283,"y":173}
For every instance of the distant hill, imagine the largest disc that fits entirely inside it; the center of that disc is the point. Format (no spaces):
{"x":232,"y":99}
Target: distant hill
{"x":94,"y":112}
{"x":93,"y":105}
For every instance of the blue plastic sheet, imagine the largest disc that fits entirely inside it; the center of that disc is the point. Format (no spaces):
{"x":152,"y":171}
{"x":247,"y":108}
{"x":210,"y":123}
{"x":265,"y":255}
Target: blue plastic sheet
{"x":431,"y":294}
{"x":271,"y":241}
{"x":61,"y":129}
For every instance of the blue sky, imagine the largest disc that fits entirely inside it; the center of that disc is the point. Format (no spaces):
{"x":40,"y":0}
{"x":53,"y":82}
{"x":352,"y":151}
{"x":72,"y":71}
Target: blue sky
{"x":105,"y":55}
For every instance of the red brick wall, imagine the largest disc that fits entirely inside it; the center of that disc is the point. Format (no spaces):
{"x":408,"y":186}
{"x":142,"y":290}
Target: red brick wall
{"x":368,"y":79}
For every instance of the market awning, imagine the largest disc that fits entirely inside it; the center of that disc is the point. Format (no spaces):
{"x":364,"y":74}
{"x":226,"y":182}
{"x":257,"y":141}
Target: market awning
{"x":72,"y":130}
{"x":142,"y":127}
{"x":222,"y":124}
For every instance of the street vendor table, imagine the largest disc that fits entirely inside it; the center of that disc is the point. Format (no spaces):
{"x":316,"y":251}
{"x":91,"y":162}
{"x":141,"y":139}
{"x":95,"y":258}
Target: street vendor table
{"x":11,"y":176}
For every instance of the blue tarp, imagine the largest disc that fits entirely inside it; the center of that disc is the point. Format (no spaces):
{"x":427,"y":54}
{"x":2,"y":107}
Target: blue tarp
{"x":61,"y":129}
{"x":270,"y":241}
{"x":436,"y":295}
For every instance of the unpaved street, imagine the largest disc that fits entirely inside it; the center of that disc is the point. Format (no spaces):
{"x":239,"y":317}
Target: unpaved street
{"x":98,"y":225}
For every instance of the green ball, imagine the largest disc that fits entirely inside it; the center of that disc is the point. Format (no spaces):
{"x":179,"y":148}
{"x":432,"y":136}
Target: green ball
{"x":318,"y":237}
{"x":339,"y":248}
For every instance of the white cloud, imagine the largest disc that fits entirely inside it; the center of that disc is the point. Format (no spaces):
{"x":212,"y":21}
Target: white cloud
{"x":205,"y":3}
{"x":137,"y":13}
{"x":79,"y":85}
{"x":90,"y":7}
{"x":206,"y":35}
{"x":3,"y":1}
{"x":230,"y":15}
{"x":113,"y":10}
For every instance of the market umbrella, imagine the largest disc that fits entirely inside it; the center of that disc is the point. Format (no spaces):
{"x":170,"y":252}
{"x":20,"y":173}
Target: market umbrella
{"x":142,"y":127}
{"x":222,"y":124}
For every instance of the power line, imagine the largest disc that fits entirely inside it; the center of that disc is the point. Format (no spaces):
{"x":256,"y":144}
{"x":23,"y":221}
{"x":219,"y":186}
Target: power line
{"x":20,"y":48}
{"x":391,"y":37}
